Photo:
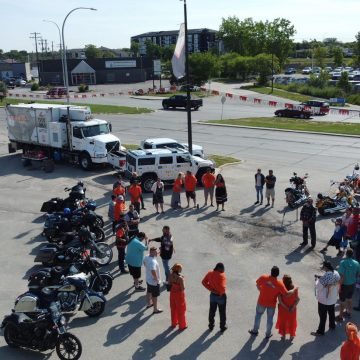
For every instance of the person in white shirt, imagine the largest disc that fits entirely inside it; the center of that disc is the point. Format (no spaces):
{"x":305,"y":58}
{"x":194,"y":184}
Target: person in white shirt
{"x":158,"y":199}
{"x":153,"y":280}
{"x":327,"y":291}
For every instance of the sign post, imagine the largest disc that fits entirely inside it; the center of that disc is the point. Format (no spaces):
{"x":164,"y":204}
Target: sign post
{"x":223,"y":99}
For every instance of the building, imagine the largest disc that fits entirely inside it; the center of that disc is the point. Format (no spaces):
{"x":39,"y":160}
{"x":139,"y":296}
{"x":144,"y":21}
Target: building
{"x":97,"y":71}
{"x":199,"y":40}
{"x":15,"y":69}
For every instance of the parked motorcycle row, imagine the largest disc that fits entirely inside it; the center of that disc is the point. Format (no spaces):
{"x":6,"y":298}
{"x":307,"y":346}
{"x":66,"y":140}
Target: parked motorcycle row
{"x":342,"y":194}
{"x":70,"y":282}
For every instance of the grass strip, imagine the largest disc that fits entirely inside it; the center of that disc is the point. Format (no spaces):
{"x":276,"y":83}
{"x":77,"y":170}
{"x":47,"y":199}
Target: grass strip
{"x":294,"y":124}
{"x":220,"y":160}
{"x":131,"y":146}
{"x":95,"y":108}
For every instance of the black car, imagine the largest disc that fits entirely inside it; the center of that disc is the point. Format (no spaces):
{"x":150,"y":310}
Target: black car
{"x":293,"y":113}
{"x":290,"y":71}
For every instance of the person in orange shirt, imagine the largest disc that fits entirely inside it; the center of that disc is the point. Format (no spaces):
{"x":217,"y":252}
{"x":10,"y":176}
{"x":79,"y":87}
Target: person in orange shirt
{"x":270,"y":288}
{"x":119,"y":208}
{"x":208,"y":181}
{"x":190,"y":186}
{"x":135,"y":192}
{"x":215,"y":282}
{"x":119,"y":190}
{"x":177,"y":187}
{"x":350,"y":349}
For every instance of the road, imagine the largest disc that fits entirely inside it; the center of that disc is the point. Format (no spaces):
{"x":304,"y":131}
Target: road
{"x":248,"y":239}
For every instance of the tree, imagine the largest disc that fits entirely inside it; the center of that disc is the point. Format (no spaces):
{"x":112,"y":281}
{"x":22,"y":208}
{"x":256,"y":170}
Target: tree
{"x":263,"y":66}
{"x":343,"y":82}
{"x":338,"y":56}
{"x":3,"y":90}
{"x":319,"y":81}
{"x":92,"y":52}
{"x":153,"y":51}
{"x":135,"y":47}
{"x":167,"y":52}
{"x":320,"y":54}
{"x":203,"y":66}
{"x":107,"y":54}
{"x":357,"y":50}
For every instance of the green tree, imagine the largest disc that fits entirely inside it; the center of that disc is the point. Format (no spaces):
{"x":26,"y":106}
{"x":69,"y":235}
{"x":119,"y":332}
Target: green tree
{"x":92,"y":52}
{"x":343,"y":83}
{"x":320,"y":81}
{"x":107,"y":54}
{"x":135,"y":47}
{"x":263,"y":66}
{"x":3,"y":90}
{"x":338,"y":56}
{"x":241,"y":67}
{"x":320,"y":54}
{"x":167,"y":52}
{"x":203,"y":66}
{"x":357,"y":50}
{"x":153,"y":51}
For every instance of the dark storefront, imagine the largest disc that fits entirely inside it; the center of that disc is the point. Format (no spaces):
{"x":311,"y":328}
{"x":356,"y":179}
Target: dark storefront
{"x":97,"y":71}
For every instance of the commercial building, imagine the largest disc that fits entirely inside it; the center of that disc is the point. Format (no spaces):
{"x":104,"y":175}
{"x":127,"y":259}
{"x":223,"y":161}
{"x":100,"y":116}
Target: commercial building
{"x":97,"y":71}
{"x":15,"y":69}
{"x":199,"y":40}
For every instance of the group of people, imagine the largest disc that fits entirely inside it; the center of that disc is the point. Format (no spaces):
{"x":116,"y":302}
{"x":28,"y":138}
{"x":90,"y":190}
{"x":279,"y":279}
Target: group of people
{"x":273,"y":292}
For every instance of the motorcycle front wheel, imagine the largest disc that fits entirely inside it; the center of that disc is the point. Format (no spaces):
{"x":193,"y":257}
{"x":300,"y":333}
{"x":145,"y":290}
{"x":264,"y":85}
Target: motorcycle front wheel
{"x":99,"y":221}
{"x":68,"y":347}
{"x":104,"y":284}
{"x":10,"y":334}
{"x":103,"y":254}
{"x":99,"y":234}
{"x":96,"y":310}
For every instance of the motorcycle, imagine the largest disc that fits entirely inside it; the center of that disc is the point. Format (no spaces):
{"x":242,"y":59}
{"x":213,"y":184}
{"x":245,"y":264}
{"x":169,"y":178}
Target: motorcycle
{"x":42,"y":330}
{"x":354,"y":179}
{"x":75,"y":200}
{"x":298,"y":193}
{"x":99,"y":281}
{"x":72,"y":292}
{"x":58,"y":224}
{"x":343,"y":198}
{"x":55,"y":254}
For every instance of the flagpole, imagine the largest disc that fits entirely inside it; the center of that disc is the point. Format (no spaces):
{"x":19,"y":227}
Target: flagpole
{"x":188,"y":105}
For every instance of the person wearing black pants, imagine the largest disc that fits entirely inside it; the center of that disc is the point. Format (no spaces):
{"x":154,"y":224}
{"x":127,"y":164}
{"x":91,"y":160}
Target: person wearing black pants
{"x":308,"y":218}
{"x":323,"y":311}
{"x":215,"y":282}
{"x":121,"y":242}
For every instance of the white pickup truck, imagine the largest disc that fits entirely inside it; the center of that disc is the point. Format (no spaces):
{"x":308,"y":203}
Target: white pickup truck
{"x":61,"y":132}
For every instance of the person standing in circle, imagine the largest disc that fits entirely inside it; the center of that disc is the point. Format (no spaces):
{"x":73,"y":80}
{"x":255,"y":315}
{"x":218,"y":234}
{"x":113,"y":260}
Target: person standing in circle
{"x":286,"y":320}
{"x":259,"y":186}
{"x":177,"y":298}
{"x":190,"y":186}
{"x":220,"y":192}
{"x":158,"y":198}
{"x":208,"y":181}
{"x":177,"y":187}
{"x":270,"y":181}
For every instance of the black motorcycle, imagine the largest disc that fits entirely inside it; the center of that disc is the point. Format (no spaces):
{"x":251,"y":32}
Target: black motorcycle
{"x":99,"y":281}
{"x":75,"y":200}
{"x":41,"y":330}
{"x":57,"y":224}
{"x":298,"y":193}
{"x":54,"y":254}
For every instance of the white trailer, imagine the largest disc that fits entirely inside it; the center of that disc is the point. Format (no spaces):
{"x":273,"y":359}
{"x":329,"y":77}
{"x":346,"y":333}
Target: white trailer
{"x":61,"y":132}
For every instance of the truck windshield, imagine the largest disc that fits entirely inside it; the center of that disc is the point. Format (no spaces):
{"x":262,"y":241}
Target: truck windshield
{"x":95,"y":130}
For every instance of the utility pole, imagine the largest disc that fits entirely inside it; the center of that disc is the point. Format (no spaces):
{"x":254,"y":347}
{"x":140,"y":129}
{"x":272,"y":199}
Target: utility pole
{"x":46,"y":47}
{"x":35,"y":37}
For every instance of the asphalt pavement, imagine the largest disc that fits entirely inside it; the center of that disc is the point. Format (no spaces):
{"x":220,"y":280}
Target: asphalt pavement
{"x":248,"y":239}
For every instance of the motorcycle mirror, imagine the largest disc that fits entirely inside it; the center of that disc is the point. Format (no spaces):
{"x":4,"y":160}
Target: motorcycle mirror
{"x":294,"y":173}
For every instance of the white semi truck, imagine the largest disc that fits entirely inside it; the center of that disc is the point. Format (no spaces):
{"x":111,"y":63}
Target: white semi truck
{"x":61,"y":132}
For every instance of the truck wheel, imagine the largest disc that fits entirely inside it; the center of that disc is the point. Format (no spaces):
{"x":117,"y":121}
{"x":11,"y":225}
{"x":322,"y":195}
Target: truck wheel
{"x":147,"y":182}
{"x":85,"y":161}
{"x":165,"y":106}
{"x":196,"y":107}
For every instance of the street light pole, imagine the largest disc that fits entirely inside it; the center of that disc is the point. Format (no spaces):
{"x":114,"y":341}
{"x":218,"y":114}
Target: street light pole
{"x":66,"y":80}
{"x":188,"y":104}
{"x":61,"y":49}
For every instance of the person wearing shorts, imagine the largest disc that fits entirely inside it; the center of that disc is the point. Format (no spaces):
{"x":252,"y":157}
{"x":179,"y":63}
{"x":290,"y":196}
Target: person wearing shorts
{"x":134,"y":258}
{"x":349,"y":270}
{"x":152,"y":280}
{"x":190,"y":186}
{"x":270,"y":188}
{"x":208,"y":181}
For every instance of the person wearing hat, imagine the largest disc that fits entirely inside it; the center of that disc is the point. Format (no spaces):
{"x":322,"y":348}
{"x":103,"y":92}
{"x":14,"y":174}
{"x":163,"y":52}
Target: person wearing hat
{"x":177,"y":297}
{"x":270,"y":287}
{"x":119,"y":208}
{"x":350,"y":349}
{"x":326,"y":290}
{"x":336,"y":238}
{"x":215,"y":282}
{"x":308,"y":218}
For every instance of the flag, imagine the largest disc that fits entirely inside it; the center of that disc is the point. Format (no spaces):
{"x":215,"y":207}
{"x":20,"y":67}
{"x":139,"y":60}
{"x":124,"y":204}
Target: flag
{"x":178,"y":59}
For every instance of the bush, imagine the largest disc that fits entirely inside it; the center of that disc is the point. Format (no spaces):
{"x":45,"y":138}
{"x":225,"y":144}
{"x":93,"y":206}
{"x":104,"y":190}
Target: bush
{"x":354,"y":99}
{"x":35,"y":86}
{"x":83,"y":88}
{"x":3,"y":90}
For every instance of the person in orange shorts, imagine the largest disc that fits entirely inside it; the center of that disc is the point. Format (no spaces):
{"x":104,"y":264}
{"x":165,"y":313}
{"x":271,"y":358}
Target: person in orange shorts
{"x":177,"y":297}
{"x":190,"y":186}
{"x":350,"y":349}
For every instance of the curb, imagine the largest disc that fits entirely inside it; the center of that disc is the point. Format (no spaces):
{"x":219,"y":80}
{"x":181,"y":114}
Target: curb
{"x":274,"y":129}
{"x":148,"y":97}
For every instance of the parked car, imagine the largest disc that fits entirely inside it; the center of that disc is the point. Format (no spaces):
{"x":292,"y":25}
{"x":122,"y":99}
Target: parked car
{"x":318,"y":107}
{"x":293,"y":113}
{"x":166,"y":143}
{"x":306,"y":70}
{"x":290,"y":71}
{"x":10,"y":83}
{"x":20,"y":82}
{"x":191,"y":88}
{"x":180,"y":101}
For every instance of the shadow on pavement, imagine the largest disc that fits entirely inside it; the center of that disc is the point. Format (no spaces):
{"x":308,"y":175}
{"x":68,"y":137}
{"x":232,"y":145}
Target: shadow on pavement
{"x":296,"y":255}
{"x":197,"y":347}
{"x":148,"y":348}
{"x":7,"y":352}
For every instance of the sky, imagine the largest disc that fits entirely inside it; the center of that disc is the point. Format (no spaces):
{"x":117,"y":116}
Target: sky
{"x":115,"y":21}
